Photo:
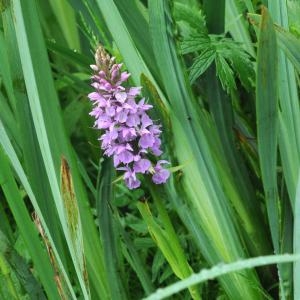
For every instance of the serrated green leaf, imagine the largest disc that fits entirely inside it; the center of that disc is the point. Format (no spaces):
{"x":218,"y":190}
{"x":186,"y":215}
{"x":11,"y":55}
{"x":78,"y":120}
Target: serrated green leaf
{"x":201,"y":63}
{"x":195,"y":43}
{"x":225,"y":73}
{"x":191,"y":15}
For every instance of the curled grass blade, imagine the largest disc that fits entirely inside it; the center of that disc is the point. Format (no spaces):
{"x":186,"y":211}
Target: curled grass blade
{"x":219,"y":270}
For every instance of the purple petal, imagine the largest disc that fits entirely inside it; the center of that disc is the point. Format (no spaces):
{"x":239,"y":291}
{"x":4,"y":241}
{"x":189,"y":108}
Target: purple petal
{"x":146,"y":121}
{"x":132,"y":183}
{"x":141,"y":166}
{"x":96,"y":112}
{"x":130,"y":179}
{"x":124,"y":76}
{"x":134,"y":91}
{"x":110,"y":111}
{"x":133,"y":120}
{"x":155,"y":148}
{"x":127,"y":133}
{"x":143,"y":106}
{"x":116,"y":161}
{"x":121,"y":97}
{"x":103,"y":122}
{"x":161,"y":176}
{"x":146,"y":141}
{"x":121,"y":116}
{"x":126,"y":157}
{"x":154,"y":129}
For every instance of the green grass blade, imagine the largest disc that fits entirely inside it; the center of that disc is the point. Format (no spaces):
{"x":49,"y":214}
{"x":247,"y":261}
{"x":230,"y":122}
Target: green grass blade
{"x":9,"y":288}
{"x":67,"y":20}
{"x":123,"y":39}
{"x":132,"y":15}
{"x":23,"y":13}
{"x":26,"y":227}
{"x":73,"y":218}
{"x":266,"y":110}
{"x":297,"y":241}
{"x":289,"y":138}
{"x":133,"y":257}
{"x":52,"y":139}
{"x":166,"y":238}
{"x":237,"y":26}
{"x":23,"y":133}
{"x":23,"y":271}
{"x":14,"y":161}
{"x":109,"y":233}
{"x":200,"y":180}
{"x":216,"y":271}
{"x":239,"y":187}
{"x":6,"y":72}
{"x":267,"y":128}
{"x":290,"y":45}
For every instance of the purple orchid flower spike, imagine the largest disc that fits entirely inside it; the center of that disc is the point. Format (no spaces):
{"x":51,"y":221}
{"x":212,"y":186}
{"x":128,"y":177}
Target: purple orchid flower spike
{"x":130,"y":135}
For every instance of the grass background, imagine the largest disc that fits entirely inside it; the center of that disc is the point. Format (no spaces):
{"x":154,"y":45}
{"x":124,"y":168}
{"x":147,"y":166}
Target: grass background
{"x":223,"y":77}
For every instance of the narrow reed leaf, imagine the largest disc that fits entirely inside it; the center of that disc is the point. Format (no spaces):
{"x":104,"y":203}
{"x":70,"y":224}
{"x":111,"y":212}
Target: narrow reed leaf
{"x":67,"y":20}
{"x":109,"y":233}
{"x":237,"y":26}
{"x":297,"y":241}
{"x":52,"y":140}
{"x":267,"y":126}
{"x":167,"y":240}
{"x":230,"y":56}
{"x":133,"y":257}
{"x":267,"y":120}
{"x":21,"y":270}
{"x":14,"y":161}
{"x":38,"y":90}
{"x":6,"y":72}
{"x":289,"y":129}
{"x":123,"y":39}
{"x":26,"y":226}
{"x":9,"y":285}
{"x":290,"y":45}
{"x":289,"y":134}
{"x":200,"y":181}
{"x":72,"y":216}
{"x":221,"y":269}
{"x":132,"y":15}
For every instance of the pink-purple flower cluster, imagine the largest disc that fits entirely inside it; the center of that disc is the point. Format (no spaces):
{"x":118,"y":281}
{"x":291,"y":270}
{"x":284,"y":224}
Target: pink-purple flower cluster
{"x":130,"y":136}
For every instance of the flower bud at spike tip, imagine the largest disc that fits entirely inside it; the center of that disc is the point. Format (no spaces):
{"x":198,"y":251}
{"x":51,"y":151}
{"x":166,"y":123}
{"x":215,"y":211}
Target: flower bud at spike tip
{"x":129,"y":134}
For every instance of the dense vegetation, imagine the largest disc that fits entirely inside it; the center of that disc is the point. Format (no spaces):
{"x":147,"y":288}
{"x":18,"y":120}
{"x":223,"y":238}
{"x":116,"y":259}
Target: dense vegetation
{"x":223,"y":80}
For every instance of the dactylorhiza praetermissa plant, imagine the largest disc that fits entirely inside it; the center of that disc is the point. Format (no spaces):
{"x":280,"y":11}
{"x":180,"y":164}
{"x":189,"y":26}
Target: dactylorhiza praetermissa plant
{"x":130,"y":136}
